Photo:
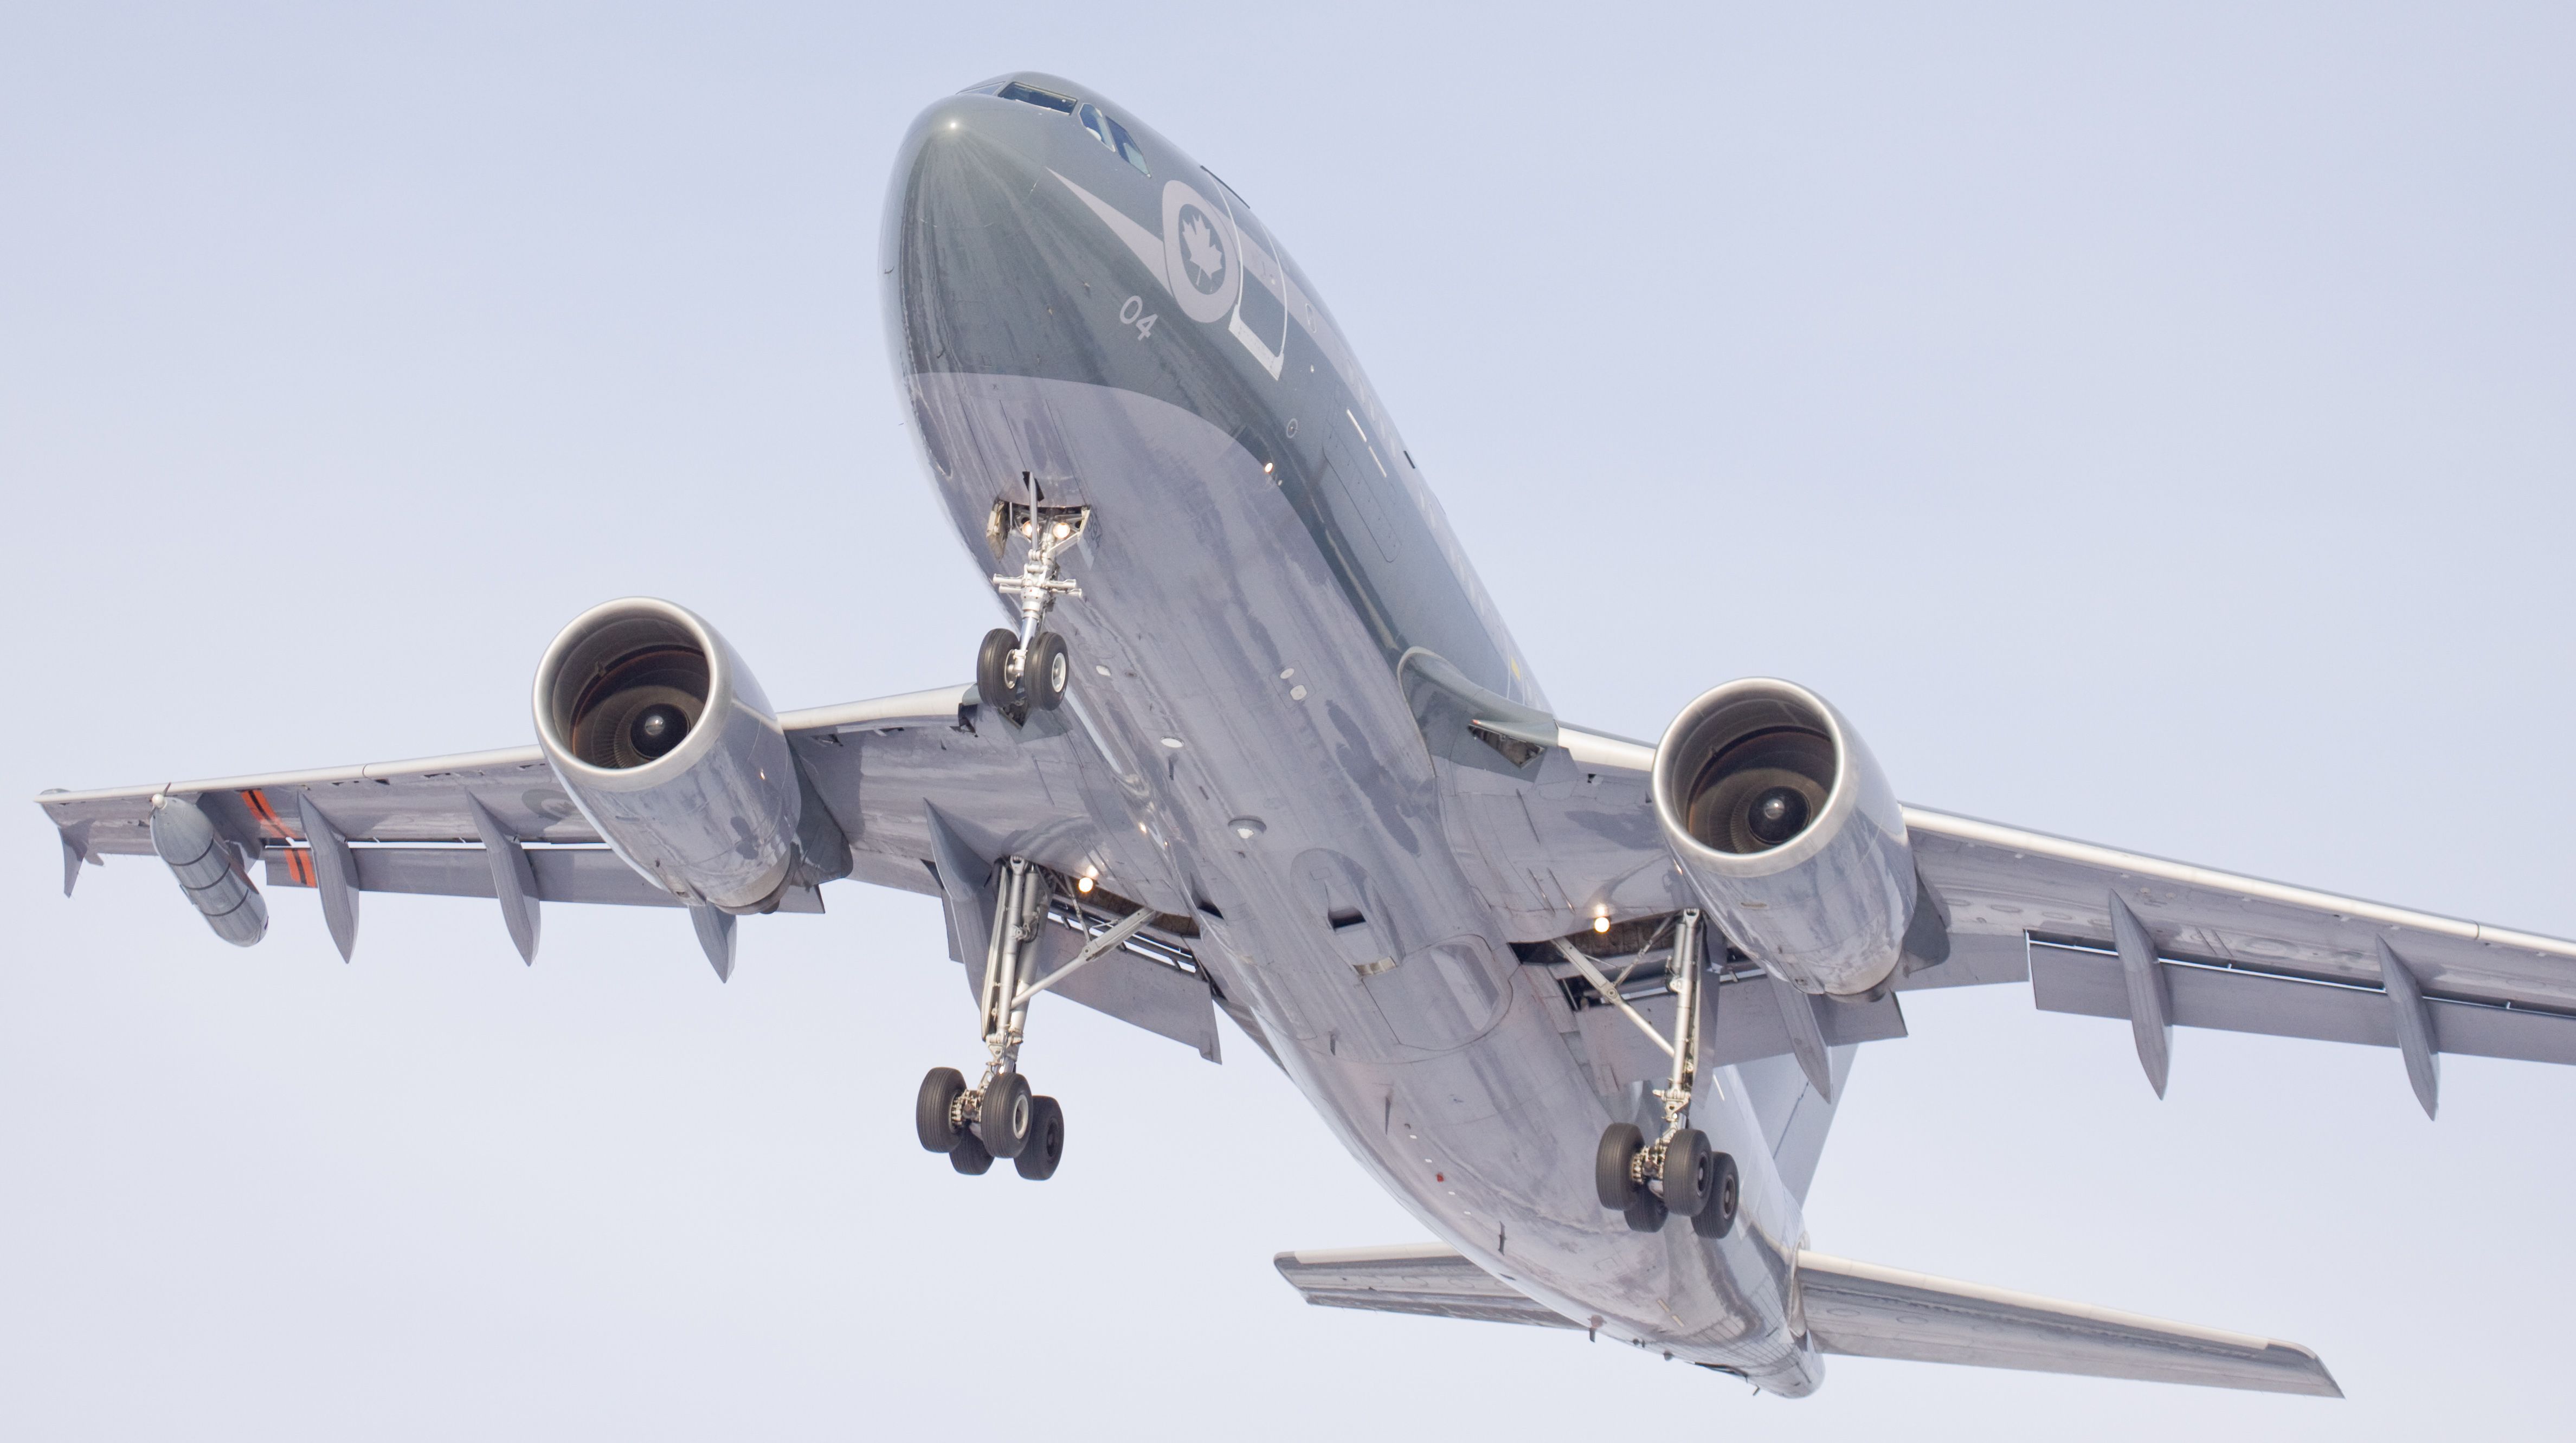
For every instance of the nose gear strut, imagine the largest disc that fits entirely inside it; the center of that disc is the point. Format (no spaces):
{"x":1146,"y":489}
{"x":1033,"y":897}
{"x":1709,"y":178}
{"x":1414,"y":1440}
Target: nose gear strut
{"x":1028,"y":668}
{"x":1678,"y":1172}
{"x":1000,"y":1116}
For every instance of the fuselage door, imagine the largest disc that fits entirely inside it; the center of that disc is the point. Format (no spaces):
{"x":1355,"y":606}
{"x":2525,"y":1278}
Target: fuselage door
{"x":1260,"y":318}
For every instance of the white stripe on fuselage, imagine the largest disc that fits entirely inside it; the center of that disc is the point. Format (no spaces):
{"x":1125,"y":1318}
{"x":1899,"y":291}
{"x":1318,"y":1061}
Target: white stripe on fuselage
{"x":1262,"y":266}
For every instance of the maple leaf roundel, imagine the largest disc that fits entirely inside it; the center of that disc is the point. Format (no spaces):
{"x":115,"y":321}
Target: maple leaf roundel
{"x":1199,"y":261}
{"x":1202,"y":255}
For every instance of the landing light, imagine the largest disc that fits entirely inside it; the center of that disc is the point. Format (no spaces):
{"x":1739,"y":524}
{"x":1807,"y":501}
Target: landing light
{"x":1063,"y":529}
{"x":1600,"y":925}
{"x":1266,"y":465}
{"x":1082,"y":885}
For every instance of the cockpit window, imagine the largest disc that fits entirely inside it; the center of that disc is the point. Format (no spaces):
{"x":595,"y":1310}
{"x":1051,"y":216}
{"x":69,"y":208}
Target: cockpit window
{"x":1113,"y":135}
{"x":1031,"y":95}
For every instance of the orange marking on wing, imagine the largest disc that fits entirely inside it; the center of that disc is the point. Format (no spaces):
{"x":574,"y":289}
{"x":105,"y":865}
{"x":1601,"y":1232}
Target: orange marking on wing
{"x":299,"y":866}
{"x":258,"y":802}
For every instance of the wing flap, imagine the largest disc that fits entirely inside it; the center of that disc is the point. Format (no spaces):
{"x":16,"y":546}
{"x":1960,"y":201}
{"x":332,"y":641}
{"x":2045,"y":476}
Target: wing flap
{"x":2087,"y":983}
{"x":1153,"y":982}
{"x":1423,"y":1279}
{"x":1864,"y":1310}
{"x":1743,"y":1024}
{"x":564,"y":874}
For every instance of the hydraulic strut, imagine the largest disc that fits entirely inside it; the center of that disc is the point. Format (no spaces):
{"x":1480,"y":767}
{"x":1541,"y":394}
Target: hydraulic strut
{"x":1677,"y":1172}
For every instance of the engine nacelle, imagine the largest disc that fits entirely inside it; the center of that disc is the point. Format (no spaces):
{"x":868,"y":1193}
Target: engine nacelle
{"x":1788,"y":830}
{"x":666,"y":743}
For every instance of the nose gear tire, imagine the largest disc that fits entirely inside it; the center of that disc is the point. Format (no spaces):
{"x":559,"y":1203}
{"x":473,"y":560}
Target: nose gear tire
{"x":1006,"y":1115}
{"x":1045,"y":671}
{"x":1611,"y":1163}
{"x":934,"y":1108}
{"x":1037,"y":1161}
{"x":993,"y":672}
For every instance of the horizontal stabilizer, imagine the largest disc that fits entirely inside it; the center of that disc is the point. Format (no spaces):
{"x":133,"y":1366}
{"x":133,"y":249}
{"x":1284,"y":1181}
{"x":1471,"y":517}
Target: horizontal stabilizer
{"x":1426,"y":1279}
{"x":1868,"y":1311}
{"x":1860,"y":1310}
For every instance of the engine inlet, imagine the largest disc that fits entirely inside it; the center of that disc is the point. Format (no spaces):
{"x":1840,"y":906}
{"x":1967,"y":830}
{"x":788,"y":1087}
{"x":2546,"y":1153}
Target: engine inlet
{"x":1785,"y":827}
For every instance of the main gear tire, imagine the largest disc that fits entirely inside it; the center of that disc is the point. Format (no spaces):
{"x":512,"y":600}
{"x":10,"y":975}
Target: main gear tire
{"x":1645,"y":1213}
{"x":1037,"y":1161}
{"x":1689,"y":1172}
{"x":1006,"y":1115}
{"x":1718,"y":1218}
{"x":1613,"y":1176}
{"x":934,"y":1110}
{"x":970,"y":1157}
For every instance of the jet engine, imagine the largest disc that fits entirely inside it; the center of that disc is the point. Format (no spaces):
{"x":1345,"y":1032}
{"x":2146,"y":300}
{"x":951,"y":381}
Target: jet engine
{"x":661,"y":736}
{"x":1789,"y":832}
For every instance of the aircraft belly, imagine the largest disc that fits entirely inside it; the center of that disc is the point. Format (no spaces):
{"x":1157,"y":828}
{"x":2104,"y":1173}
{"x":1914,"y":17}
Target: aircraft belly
{"x":1269,"y":778}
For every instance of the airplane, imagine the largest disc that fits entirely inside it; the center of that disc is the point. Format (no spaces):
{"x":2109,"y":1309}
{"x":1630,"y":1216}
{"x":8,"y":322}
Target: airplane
{"x":1256,"y":742}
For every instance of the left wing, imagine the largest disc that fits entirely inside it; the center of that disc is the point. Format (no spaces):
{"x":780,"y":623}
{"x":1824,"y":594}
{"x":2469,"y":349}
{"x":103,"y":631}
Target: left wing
{"x":2119,"y":934}
{"x":2094,"y":930}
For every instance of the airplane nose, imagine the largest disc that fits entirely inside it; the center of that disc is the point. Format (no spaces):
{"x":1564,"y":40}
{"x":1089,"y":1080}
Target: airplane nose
{"x":962,"y":160}
{"x":1026,"y":236}
{"x":978,"y":250}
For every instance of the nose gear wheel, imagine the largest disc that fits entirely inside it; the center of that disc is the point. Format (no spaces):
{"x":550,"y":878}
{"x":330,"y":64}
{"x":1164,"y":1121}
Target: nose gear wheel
{"x":1017,"y":671}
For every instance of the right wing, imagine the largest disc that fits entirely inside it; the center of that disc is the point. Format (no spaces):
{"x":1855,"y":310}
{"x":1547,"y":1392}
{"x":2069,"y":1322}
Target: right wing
{"x":891,"y":771}
{"x":413,"y":826}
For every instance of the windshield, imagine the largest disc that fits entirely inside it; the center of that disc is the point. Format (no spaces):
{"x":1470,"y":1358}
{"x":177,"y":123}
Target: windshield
{"x":1113,"y":135}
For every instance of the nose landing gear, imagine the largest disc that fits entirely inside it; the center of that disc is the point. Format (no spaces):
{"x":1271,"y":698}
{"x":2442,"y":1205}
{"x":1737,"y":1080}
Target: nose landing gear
{"x":1678,"y":1173}
{"x":1016,"y":680}
{"x":1017,"y":671}
{"x":1001,"y":1117}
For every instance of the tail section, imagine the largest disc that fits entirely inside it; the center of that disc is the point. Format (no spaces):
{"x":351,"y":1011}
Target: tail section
{"x":1860,"y":1310}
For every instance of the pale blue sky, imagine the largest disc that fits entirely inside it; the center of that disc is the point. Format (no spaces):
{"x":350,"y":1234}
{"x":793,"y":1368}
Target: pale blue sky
{"x":2148,"y":424}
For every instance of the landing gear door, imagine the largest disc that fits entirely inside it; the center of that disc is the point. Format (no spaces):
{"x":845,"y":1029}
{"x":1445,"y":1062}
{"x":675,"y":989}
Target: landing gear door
{"x":1260,"y":319}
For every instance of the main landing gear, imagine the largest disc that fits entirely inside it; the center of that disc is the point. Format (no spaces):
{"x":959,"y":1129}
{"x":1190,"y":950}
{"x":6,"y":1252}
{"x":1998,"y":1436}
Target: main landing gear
{"x":1024,"y":670}
{"x":1678,"y":1172}
{"x":1000,"y":1117}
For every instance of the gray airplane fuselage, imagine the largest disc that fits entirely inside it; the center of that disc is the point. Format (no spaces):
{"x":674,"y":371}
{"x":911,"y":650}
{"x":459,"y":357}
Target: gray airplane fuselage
{"x":1262,"y":557}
